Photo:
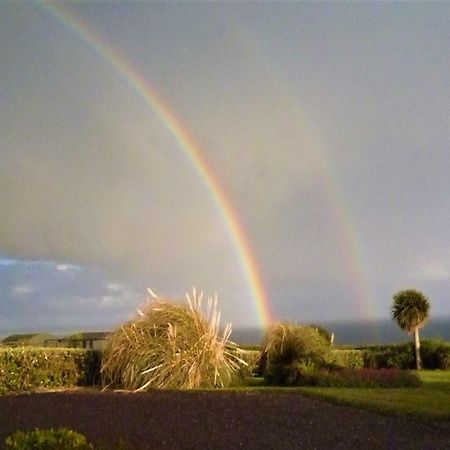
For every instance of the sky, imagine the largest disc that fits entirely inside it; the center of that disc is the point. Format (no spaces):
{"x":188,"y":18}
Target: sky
{"x":324,"y":127}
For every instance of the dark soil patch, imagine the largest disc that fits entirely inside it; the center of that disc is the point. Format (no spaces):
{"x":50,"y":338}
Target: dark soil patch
{"x":217,"y":420}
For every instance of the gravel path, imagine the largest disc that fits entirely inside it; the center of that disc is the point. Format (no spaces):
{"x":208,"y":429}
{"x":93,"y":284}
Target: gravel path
{"x":217,"y":420}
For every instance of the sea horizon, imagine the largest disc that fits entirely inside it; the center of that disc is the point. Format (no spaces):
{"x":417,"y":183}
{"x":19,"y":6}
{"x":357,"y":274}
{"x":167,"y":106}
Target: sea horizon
{"x":359,"y":332}
{"x":351,"y":332}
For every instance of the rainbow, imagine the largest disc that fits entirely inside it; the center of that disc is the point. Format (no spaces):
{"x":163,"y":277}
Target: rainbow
{"x":339,"y":210}
{"x":186,"y":142}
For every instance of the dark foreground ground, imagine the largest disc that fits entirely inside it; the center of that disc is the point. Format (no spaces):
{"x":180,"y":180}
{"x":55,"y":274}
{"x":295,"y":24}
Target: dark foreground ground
{"x":217,"y":420}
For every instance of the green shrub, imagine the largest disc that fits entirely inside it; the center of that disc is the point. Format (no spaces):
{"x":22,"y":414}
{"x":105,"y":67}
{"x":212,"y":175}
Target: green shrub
{"x":291,"y":348}
{"x":248,"y":362}
{"x":52,"y":439}
{"x":170,"y":346}
{"x":400,"y":356}
{"x":435,"y":354}
{"x":323,"y":331}
{"x":360,"y":378}
{"x":25,"y":368}
{"x":349,"y":358}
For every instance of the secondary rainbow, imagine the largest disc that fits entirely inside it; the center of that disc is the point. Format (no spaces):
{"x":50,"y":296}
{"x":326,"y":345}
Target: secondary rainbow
{"x":340,"y":213}
{"x":125,"y":69}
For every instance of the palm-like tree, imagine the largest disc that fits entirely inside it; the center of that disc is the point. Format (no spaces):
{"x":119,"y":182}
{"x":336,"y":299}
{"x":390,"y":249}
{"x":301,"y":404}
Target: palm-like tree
{"x":410,"y":309}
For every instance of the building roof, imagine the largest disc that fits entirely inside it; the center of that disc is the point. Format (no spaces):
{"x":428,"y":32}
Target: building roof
{"x":89,"y":336}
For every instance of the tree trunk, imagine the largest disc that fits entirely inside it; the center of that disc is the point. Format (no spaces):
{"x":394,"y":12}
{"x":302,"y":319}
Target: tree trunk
{"x":417,"y":349}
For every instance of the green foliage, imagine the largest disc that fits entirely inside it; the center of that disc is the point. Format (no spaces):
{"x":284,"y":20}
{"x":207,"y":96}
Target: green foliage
{"x":435,"y":354}
{"x":410,"y":309}
{"x":323,"y":331}
{"x":349,"y":358}
{"x":429,"y":401}
{"x":52,"y":439}
{"x":400,"y":356}
{"x":248,"y":362}
{"x":291,"y":349}
{"x":170,"y":346}
{"x":359,"y":378}
{"x":25,"y":368}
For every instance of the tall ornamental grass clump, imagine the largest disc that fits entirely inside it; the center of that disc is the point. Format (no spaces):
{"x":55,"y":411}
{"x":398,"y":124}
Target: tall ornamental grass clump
{"x":170,"y":346}
{"x":291,"y":350}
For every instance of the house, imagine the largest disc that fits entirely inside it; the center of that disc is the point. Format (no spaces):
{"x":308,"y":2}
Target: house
{"x":30,"y":339}
{"x":91,"y":340}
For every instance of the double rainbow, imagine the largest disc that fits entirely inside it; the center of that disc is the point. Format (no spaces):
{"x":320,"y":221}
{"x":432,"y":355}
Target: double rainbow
{"x":186,"y":142}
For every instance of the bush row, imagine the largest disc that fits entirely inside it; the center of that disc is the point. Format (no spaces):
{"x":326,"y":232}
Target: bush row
{"x":435,"y":355}
{"x":349,"y":358}
{"x":25,"y":368}
{"x":363,"y":378}
{"x":400,"y":356}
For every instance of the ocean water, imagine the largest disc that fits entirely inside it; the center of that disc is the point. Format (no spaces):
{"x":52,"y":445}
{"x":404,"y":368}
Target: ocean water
{"x":345,"y":333}
{"x":359,"y":332}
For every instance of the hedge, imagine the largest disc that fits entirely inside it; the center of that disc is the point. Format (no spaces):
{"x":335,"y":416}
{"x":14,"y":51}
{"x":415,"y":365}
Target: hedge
{"x":25,"y":368}
{"x":349,"y":358}
{"x":359,"y":378}
{"x":398,"y":356}
{"x":435,"y":354}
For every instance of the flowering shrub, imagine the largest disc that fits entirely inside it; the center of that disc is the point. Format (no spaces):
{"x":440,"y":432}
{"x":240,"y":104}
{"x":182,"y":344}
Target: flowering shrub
{"x":363,"y":378}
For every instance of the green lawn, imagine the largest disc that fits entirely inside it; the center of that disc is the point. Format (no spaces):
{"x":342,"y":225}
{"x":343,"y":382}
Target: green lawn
{"x":430,"y":401}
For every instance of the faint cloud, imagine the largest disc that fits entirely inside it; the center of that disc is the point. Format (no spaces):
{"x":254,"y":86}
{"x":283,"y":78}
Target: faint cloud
{"x":108,"y":300}
{"x":115,"y":287}
{"x":66,"y":267}
{"x":434,"y":271}
{"x":22,"y":290}
{"x":122,"y":298}
{"x":118,"y":297}
{"x":7,"y":262}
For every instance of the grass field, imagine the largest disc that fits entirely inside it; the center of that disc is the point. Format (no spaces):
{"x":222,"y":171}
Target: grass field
{"x":430,"y":401}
